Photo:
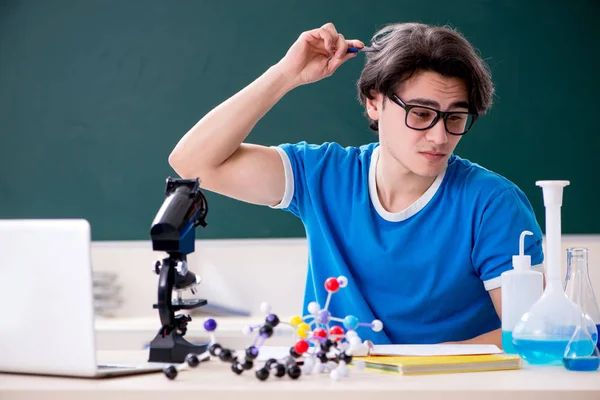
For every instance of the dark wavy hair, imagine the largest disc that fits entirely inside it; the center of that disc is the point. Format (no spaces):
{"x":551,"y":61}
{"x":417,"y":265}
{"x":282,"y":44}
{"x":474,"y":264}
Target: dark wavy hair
{"x":406,"y":48}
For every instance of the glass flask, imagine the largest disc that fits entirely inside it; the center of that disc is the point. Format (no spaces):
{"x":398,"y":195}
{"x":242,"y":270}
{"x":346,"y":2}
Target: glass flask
{"x":578,"y":286}
{"x":581,"y":353}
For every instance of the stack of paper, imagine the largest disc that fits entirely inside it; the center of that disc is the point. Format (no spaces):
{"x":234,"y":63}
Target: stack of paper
{"x":435,"y":359}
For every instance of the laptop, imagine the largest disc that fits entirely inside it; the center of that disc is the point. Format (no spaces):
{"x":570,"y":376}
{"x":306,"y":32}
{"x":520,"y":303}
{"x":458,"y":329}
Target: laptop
{"x":46,"y":301}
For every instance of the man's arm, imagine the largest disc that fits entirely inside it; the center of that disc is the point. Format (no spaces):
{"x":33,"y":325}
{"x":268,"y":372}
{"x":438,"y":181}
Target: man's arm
{"x":493,"y":337}
{"x":213,"y":151}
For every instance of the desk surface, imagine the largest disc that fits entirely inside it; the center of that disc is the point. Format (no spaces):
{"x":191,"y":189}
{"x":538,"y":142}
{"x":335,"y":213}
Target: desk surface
{"x":216,"y":379}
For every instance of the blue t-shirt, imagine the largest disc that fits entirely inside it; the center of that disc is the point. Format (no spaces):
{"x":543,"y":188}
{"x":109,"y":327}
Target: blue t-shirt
{"x":424,"y":272}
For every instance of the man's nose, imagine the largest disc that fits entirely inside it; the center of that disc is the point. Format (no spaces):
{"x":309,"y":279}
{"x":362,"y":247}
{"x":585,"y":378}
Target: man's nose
{"x":437,"y":133}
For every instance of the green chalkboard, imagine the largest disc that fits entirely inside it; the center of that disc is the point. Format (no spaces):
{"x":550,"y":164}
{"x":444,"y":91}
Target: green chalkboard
{"x":95,"y":94}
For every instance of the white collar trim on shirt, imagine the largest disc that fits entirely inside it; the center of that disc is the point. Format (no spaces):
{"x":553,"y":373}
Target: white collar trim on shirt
{"x":410,"y":210}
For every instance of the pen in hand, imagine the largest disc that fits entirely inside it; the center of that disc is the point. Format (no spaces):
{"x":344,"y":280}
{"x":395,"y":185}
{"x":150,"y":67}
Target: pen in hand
{"x":361,"y":50}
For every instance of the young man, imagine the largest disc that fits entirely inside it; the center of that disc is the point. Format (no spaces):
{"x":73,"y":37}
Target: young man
{"x":421,"y":234}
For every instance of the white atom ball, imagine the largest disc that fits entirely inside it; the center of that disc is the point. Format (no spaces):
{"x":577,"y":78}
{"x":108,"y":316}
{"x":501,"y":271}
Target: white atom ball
{"x":265,"y":308}
{"x":247,"y":330}
{"x":359,"y":365}
{"x":313,"y":307}
{"x":335,"y":375}
{"x":351,"y":334}
{"x":343,"y":370}
{"x":377,"y":325}
{"x":309,"y":362}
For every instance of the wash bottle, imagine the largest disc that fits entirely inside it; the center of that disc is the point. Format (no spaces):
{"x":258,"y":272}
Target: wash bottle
{"x":521,"y":288}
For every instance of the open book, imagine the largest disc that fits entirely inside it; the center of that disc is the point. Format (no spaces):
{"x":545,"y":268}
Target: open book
{"x":430,"y":350}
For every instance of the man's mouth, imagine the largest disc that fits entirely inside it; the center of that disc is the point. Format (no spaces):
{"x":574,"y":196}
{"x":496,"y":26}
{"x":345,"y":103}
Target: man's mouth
{"x":433,"y":155}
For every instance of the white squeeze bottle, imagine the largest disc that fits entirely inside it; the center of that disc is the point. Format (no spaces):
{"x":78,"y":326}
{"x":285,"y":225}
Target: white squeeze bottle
{"x":521,"y":288}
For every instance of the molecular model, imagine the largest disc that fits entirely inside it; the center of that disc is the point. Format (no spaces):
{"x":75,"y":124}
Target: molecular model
{"x":193,"y":360}
{"x":264,"y":331}
{"x":325,"y":347}
{"x":319,"y":346}
{"x":239,"y":363}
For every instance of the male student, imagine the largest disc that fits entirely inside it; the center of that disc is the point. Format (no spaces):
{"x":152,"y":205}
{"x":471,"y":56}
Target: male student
{"x":421,"y":234}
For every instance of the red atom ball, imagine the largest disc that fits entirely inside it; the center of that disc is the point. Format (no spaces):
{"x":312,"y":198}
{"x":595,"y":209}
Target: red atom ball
{"x":301,"y":346}
{"x":332,"y":285}
{"x":320,"y":332}
{"x":337,"y":332}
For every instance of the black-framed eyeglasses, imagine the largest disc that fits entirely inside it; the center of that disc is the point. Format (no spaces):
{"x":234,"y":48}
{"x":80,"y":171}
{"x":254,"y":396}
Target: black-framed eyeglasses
{"x":421,"y":118}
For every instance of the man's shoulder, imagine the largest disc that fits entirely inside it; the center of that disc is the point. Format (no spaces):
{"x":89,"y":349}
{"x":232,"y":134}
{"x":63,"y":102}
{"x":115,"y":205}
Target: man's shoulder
{"x":474,"y":178}
{"x":330,"y":151}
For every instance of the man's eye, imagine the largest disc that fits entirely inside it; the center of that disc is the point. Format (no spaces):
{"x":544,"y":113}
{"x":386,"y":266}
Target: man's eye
{"x":422,"y":113}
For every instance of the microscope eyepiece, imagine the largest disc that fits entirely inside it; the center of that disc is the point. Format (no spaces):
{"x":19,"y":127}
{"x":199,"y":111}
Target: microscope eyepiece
{"x":183,"y":209}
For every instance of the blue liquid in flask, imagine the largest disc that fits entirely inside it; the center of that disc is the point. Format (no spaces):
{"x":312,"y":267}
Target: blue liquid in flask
{"x":547,"y":352}
{"x":582,"y":355}
{"x":507,"y":343}
{"x":581,"y":363}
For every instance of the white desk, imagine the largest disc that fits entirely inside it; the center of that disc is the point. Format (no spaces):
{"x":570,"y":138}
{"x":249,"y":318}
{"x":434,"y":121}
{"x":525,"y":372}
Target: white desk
{"x":215,"y":380}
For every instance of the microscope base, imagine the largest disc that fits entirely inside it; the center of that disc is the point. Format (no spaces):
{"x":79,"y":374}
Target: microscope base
{"x":172,"y":348}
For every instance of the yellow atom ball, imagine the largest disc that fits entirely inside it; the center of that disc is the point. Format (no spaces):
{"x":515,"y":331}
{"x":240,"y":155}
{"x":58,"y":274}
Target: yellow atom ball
{"x":296,"y":320}
{"x":303,"y":330}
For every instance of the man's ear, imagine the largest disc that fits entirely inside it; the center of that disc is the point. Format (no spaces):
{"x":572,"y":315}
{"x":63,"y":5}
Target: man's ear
{"x":374,"y":105}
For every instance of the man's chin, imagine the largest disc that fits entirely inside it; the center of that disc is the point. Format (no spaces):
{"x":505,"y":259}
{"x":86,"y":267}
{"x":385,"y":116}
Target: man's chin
{"x":429,"y":171}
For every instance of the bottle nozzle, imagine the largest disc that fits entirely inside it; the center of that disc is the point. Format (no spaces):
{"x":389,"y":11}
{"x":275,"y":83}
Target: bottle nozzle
{"x":522,"y":261}
{"x":522,"y":242}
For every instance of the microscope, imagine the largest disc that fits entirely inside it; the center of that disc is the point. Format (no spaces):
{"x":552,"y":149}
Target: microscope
{"x":173,"y":232}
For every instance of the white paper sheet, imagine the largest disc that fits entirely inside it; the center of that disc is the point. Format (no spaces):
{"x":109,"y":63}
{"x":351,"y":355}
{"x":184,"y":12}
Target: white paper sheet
{"x":433,"y":349}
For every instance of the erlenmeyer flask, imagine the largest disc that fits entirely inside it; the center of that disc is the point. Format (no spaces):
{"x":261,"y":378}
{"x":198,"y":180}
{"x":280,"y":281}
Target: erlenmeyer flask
{"x":581,"y":353}
{"x":578,"y":286}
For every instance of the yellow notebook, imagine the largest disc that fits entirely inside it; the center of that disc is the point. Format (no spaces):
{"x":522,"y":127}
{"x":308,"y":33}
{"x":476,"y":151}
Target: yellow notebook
{"x":412,"y":365}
